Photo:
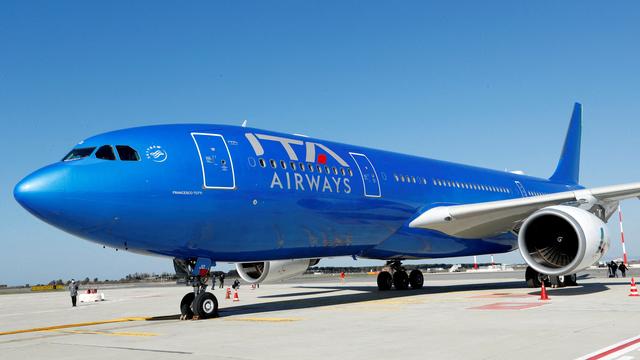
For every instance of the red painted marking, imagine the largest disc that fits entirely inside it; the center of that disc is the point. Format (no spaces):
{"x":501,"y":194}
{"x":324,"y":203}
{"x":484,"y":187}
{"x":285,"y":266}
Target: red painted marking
{"x":500,"y":295}
{"x":322,"y":159}
{"x":615,"y":349}
{"x":507,"y":306}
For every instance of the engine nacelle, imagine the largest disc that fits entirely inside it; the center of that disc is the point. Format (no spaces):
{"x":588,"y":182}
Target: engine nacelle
{"x":561,"y":240}
{"x":271,"y":271}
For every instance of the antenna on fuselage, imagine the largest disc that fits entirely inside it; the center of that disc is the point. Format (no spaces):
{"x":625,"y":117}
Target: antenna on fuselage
{"x":244,"y":123}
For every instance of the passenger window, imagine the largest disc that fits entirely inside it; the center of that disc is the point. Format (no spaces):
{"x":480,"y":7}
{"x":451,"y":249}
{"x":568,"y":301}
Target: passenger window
{"x":319,"y":169}
{"x":310,"y":167}
{"x":301,"y":165}
{"x":344,"y":173}
{"x":273,"y":163}
{"x":350,"y":172}
{"x":79,"y":153}
{"x":402,"y":178}
{"x":326,"y":169}
{"x":395,"y":176}
{"x":413,"y":179}
{"x":283,"y":164}
{"x":262,"y":163}
{"x":127,"y":153}
{"x":105,"y":153}
{"x":335,"y":171}
{"x":293,"y":165}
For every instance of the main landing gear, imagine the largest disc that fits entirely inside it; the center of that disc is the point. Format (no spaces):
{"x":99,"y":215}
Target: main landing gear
{"x":198,"y":304}
{"x":398,"y":277}
{"x":534,"y":279}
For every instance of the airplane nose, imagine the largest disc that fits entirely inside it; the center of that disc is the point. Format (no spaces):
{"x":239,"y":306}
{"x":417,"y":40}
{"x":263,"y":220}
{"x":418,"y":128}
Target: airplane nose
{"x":40,"y":190}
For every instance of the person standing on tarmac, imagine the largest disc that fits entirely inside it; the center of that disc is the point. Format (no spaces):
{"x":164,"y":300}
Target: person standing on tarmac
{"x":614,"y":269}
{"x":73,"y":291}
{"x":623,"y":269}
{"x":221,"y":280}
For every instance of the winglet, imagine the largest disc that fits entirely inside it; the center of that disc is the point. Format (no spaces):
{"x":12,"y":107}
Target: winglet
{"x":568,"y":170}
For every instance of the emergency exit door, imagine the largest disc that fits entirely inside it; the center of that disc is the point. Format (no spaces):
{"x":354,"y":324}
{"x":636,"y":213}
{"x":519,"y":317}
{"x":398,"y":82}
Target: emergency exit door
{"x":215,"y":160}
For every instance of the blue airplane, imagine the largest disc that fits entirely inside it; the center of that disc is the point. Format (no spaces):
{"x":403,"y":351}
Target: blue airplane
{"x":276,"y":203}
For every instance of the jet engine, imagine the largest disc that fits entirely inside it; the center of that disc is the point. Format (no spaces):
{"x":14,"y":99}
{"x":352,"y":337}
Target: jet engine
{"x":562,"y":240}
{"x":271,"y":271}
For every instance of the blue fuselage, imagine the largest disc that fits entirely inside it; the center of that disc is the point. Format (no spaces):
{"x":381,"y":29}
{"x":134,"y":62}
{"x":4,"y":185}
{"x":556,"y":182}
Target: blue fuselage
{"x":241,"y":194}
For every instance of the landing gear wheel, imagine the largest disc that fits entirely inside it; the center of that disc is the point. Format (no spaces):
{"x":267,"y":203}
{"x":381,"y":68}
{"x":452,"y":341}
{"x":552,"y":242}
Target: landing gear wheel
{"x":532,"y":277}
{"x":385,"y":281}
{"x":557,"y":281}
{"x":401,"y":280}
{"x":571,"y":280}
{"x":185,"y":306}
{"x":206,"y":305}
{"x":416,"y":279}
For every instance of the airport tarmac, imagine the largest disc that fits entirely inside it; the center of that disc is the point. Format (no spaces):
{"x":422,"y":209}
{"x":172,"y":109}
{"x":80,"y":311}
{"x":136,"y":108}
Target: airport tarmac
{"x":470,"y":316}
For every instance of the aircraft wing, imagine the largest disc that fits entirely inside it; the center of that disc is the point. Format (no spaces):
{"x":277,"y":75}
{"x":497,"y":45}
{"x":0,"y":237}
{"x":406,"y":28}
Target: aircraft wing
{"x":486,"y":219}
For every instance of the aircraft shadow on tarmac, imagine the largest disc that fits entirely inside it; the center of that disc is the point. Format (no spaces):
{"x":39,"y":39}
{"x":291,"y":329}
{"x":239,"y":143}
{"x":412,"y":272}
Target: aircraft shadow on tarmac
{"x":369,"y":293}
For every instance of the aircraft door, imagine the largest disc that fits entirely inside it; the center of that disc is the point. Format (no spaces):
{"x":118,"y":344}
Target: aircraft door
{"x":521,"y":188}
{"x":369,"y":176}
{"x":215,"y":160}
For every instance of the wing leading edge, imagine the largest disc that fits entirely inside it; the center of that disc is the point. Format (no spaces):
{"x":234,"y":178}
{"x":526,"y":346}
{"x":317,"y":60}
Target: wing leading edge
{"x":481,"y":220}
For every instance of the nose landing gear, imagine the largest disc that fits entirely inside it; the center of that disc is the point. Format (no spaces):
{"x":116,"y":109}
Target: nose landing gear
{"x":397,"y":277}
{"x":198,"y":304}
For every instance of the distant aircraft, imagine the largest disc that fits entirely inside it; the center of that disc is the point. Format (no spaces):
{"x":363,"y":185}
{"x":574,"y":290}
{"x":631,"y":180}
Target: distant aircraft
{"x":276,"y":204}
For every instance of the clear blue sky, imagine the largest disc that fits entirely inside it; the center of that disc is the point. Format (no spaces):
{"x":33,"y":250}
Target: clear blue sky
{"x":484,"y":83}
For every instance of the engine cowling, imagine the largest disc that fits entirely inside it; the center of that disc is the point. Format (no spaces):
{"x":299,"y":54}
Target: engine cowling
{"x":271,"y":271}
{"x":561,"y":240}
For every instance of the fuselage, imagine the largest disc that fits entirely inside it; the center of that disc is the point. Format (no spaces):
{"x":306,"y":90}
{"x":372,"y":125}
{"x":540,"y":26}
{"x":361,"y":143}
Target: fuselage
{"x":240,"y":194}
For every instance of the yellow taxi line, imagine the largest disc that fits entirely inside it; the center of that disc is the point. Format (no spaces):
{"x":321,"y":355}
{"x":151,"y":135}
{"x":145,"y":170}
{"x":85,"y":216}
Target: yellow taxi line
{"x":65,"y":326}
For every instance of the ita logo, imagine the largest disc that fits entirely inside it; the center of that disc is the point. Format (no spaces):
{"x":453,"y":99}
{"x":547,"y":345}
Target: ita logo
{"x":156,"y":153}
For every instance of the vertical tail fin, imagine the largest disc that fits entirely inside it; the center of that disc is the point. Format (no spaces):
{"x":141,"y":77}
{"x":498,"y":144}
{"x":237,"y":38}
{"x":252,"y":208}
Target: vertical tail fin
{"x":568,"y":170}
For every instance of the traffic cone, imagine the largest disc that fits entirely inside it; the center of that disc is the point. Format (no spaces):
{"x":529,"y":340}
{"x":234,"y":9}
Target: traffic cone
{"x":543,"y":292}
{"x":253,"y":286}
{"x":235,"y":296}
{"x":228,"y":296}
{"x":634,"y":290}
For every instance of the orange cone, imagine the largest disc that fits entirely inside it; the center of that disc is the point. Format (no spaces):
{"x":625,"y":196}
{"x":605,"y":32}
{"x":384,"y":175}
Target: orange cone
{"x":235,"y":296}
{"x":634,"y":290}
{"x":228,"y":296}
{"x":543,"y":292}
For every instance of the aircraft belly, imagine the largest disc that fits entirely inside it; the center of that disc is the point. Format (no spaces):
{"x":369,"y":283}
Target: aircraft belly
{"x":410,"y":243}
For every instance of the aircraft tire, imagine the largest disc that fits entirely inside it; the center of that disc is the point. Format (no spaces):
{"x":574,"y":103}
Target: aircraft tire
{"x":532,"y":278}
{"x":557,"y":281}
{"x":206,"y":305}
{"x":416,"y":279}
{"x":570,"y":280}
{"x":385,"y":280}
{"x":401,"y":280}
{"x":185,"y":306}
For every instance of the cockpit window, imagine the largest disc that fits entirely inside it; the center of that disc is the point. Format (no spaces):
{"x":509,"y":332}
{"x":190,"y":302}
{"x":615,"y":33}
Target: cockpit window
{"x":78,"y":153}
{"x":127,"y":153}
{"x":105,"y":152}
